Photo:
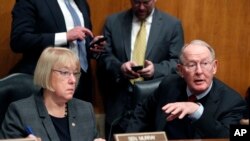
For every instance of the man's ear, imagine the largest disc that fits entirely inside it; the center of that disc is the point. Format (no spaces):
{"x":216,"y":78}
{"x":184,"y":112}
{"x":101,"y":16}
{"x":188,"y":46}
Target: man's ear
{"x":180,"y":70}
{"x":215,"y":65}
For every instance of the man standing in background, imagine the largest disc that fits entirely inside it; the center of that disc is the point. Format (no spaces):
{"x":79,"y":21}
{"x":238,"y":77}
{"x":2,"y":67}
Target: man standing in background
{"x":38,"y":24}
{"x":142,"y":36}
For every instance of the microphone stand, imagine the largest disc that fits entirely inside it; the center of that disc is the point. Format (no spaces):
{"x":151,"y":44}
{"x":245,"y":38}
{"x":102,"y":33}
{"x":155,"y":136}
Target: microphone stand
{"x":117,"y":121}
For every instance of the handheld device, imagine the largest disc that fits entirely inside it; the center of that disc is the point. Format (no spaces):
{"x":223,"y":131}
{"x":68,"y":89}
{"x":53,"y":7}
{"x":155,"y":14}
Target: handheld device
{"x":98,"y":41}
{"x":136,"y":68}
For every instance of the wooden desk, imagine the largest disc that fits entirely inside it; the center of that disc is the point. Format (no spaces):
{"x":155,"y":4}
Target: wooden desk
{"x":201,"y":140}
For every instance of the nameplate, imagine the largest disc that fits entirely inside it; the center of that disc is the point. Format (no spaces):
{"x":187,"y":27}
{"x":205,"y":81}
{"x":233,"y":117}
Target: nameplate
{"x":19,"y":139}
{"x":143,"y":136}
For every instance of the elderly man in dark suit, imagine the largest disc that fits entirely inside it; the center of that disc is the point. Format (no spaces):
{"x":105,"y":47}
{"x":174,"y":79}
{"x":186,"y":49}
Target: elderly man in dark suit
{"x":38,"y":24}
{"x":163,"y":39}
{"x":209,"y":114}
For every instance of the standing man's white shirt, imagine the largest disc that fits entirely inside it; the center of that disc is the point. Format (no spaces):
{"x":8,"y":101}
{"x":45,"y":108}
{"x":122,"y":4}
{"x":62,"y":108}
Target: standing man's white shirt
{"x":61,"y":38}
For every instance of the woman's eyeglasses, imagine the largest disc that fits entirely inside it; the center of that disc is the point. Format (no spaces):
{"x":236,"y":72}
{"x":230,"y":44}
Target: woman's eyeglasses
{"x":67,"y":74}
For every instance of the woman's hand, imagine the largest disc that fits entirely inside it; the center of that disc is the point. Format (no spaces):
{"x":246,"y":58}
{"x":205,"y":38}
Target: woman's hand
{"x":30,"y":136}
{"x":99,"y":139}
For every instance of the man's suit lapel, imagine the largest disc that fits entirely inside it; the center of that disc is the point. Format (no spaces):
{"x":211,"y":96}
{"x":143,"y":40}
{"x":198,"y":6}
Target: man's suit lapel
{"x":55,"y":10}
{"x":212,"y":100}
{"x":154,"y":31}
{"x":83,"y":8}
{"x":126,"y":32}
{"x":210,"y":104}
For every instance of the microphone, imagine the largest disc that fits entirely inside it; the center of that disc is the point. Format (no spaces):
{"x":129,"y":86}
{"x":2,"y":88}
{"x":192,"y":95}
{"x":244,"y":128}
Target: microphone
{"x":117,"y":121}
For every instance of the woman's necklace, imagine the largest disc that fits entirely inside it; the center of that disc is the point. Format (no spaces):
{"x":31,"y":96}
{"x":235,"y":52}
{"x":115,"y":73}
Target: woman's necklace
{"x":66,"y":110}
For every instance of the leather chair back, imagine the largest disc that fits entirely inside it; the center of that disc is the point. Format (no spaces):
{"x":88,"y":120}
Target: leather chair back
{"x":14,"y":87}
{"x":143,"y":89}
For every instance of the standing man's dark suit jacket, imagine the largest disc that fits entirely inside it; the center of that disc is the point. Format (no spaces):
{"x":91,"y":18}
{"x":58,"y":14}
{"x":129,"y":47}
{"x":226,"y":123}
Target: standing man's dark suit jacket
{"x":32,"y":112}
{"x":164,"y":44}
{"x":34,"y":25}
{"x":222,"y":107}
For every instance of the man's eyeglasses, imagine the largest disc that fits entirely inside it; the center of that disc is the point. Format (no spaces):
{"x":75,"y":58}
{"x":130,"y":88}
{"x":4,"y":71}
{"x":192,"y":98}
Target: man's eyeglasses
{"x":144,"y":2}
{"x":205,"y":65}
{"x":67,"y":74}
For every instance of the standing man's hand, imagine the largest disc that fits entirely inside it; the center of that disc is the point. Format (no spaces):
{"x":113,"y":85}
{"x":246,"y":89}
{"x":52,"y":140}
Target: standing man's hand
{"x":78,"y":33}
{"x":148,"y":70}
{"x":99,"y":47}
{"x":127,"y":71}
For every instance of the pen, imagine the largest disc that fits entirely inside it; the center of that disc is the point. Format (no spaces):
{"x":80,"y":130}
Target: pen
{"x":28,"y":130}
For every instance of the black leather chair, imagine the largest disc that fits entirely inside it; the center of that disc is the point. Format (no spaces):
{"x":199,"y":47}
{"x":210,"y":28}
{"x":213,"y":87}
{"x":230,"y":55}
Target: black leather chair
{"x":14,"y":87}
{"x":143,"y":89}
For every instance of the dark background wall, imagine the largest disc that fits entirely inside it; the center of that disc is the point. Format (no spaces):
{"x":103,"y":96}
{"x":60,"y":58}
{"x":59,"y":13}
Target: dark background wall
{"x":224,"y":24}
